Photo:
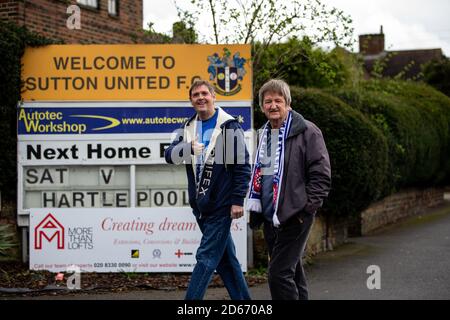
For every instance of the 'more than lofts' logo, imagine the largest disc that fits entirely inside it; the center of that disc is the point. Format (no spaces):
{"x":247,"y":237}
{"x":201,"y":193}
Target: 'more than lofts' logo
{"x":51,"y":230}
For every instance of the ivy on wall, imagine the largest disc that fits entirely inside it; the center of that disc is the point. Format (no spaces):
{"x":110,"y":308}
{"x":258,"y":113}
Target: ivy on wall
{"x":13,"y":41}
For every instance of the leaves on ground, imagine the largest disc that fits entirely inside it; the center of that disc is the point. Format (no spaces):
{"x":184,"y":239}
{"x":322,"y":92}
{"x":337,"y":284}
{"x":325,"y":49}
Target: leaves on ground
{"x":17,"y":279}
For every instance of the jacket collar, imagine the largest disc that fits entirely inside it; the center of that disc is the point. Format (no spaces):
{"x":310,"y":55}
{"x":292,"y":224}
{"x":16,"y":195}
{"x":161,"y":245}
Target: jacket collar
{"x":298,"y":124}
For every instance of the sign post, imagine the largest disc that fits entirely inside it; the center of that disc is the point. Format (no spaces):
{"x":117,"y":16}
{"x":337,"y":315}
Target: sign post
{"x":92,"y":129}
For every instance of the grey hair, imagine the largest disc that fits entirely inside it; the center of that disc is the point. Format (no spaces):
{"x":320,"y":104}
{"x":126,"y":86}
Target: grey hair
{"x":199,"y":83}
{"x":277,"y":86}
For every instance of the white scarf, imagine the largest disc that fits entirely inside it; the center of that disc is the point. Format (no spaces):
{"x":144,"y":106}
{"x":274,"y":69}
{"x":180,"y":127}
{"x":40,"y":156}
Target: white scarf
{"x":254,"y":198}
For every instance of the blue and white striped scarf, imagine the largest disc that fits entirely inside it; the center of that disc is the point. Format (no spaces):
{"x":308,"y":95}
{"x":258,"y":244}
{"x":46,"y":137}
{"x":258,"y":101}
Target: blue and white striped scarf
{"x":254,"y":198}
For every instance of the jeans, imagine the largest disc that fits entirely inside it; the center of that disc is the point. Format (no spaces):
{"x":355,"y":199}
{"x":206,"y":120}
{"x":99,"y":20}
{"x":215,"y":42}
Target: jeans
{"x":217,"y":252}
{"x":286,"y":245}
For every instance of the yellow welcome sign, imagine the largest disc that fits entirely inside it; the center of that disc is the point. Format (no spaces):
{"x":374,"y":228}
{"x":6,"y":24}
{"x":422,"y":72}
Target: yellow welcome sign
{"x":134,"y":72}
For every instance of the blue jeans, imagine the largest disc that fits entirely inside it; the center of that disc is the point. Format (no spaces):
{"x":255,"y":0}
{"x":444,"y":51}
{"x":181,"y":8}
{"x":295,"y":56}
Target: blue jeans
{"x":217,"y":252}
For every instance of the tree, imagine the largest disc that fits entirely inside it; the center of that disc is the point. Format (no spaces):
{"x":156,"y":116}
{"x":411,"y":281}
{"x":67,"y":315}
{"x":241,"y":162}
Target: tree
{"x":180,"y":34}
{"x":151,"y":36}
{"x":300,"y":64}
{"x":267,"y":21}
{"x":183,"y":34}
{"x":264,"y":22}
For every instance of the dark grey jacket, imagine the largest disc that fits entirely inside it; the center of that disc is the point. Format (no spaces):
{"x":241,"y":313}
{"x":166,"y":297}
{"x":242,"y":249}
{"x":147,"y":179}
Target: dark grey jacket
{"x":307,"y":171}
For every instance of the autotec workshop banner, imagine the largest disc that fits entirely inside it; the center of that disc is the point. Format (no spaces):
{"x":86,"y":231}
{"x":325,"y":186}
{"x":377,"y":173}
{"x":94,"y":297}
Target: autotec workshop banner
{"x":92,"y":129}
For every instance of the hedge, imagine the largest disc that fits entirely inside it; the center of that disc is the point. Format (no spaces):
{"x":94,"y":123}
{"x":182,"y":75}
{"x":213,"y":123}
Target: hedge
{"x":13,"y":40}
{"x":434,"y":107}
{"x":358,"y":150}
{"x":382,"y":136}
{"x":415,"y":119}
{"x":398,"y":125}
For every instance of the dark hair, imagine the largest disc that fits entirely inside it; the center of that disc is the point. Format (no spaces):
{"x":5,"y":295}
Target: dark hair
{"x":198,"y":83}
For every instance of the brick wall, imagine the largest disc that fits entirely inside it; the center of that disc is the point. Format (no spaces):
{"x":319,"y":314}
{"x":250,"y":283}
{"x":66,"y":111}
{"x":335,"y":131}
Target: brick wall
{"x":325,"y":235}
{"x":9,"y":10}
{"x":398,"y":206}
{"x":49,"y":18}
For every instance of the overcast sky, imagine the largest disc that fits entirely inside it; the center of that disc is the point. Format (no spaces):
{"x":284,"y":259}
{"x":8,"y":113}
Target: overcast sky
{"x":408,"y":24}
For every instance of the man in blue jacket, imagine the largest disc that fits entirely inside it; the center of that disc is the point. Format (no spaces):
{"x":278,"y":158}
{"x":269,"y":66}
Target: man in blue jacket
{"x":211,"y":145}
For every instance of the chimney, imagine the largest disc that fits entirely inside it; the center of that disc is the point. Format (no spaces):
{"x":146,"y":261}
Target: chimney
{"x":371,"y":44}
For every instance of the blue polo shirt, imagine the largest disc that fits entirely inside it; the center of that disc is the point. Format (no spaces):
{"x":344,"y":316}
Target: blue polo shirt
{"x":206,"y":129}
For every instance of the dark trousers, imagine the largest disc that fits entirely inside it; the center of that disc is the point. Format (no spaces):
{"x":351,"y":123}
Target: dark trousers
{"x":286,"y":245}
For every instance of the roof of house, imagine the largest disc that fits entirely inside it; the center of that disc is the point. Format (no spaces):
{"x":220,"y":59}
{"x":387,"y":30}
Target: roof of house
{"x":406,"y":62}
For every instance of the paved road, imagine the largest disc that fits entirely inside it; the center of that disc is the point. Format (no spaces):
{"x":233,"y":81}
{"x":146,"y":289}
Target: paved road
{"x":413,"y":257}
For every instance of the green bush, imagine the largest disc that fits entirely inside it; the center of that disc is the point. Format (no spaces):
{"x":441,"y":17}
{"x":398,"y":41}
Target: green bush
{"x":13,"y":40}
{"x":397,"y":125}
{"x":437,"y":74}
{"x":434,"y":108}
{"x":8,"y":242}
{"x":358,"y":150}
{"x":415,"y":120}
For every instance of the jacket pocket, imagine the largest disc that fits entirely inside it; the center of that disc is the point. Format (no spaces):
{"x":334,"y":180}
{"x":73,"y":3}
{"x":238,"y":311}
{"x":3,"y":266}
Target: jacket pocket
{"x":304,"y":216}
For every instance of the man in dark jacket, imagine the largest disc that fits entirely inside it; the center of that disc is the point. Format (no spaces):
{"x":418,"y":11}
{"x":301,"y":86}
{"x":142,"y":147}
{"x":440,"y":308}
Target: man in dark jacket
{"x":291,"y":178}
{"x":212,"y":146}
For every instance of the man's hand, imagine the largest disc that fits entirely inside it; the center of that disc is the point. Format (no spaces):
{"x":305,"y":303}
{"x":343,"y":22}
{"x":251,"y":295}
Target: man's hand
{"x":197,"y":147}
{"x":236,"y":212}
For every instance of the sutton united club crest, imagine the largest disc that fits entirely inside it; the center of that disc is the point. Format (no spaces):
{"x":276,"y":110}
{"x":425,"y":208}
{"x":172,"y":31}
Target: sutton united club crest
{"x":227,"y":71}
